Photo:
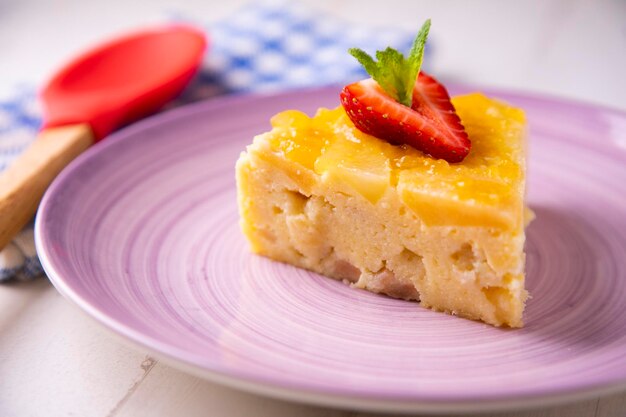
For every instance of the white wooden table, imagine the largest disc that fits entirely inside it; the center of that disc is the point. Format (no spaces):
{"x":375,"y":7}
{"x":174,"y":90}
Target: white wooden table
{"x":55,"y":361}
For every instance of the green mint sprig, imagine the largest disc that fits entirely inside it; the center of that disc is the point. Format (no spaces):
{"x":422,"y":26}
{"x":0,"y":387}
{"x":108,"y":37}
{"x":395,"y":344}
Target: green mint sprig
{"x":393,"y":72}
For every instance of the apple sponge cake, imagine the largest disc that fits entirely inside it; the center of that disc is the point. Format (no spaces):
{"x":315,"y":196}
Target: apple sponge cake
{"x":318,"y":193}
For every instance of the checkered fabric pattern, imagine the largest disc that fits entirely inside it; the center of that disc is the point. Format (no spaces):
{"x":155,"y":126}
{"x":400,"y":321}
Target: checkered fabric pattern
{"x":262,"y":48}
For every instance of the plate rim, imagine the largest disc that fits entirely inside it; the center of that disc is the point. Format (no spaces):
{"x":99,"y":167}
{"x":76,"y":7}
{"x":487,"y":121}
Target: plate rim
{"x":272,"y":387}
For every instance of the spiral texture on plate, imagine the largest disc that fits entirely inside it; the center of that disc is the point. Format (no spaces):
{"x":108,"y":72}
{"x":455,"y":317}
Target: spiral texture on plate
{"x":142,"y":231}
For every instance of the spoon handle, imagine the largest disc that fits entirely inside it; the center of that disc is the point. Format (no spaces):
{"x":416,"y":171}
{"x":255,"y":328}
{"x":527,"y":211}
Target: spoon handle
{"x":22,"y":185}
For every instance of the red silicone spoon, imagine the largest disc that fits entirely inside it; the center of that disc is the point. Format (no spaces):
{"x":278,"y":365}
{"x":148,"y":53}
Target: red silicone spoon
{"x":108,"y":87}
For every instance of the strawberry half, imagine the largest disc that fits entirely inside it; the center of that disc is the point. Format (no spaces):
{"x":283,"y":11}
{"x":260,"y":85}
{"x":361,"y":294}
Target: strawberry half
{"x":402,"y":105}
{"x":430,"y":125}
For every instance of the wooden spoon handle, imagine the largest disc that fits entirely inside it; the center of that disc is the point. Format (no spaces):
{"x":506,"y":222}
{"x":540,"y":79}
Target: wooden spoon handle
{"x":22,"y":185}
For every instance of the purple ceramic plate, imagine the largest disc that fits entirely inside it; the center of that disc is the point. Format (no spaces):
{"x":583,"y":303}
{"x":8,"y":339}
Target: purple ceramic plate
{"x":142,"y":233}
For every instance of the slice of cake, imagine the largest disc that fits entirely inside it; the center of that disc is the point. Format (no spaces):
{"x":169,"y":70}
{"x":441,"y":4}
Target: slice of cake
{"x":322,"y":194}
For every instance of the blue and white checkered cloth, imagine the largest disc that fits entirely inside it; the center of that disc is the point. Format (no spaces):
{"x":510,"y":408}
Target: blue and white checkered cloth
{"x":263,"y":47}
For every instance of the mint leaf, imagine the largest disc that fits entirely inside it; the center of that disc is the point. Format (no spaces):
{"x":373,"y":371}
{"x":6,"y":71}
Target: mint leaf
{"x":393,"y":72}
{"x":364,"y":59}
{"x":416,"y":55}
